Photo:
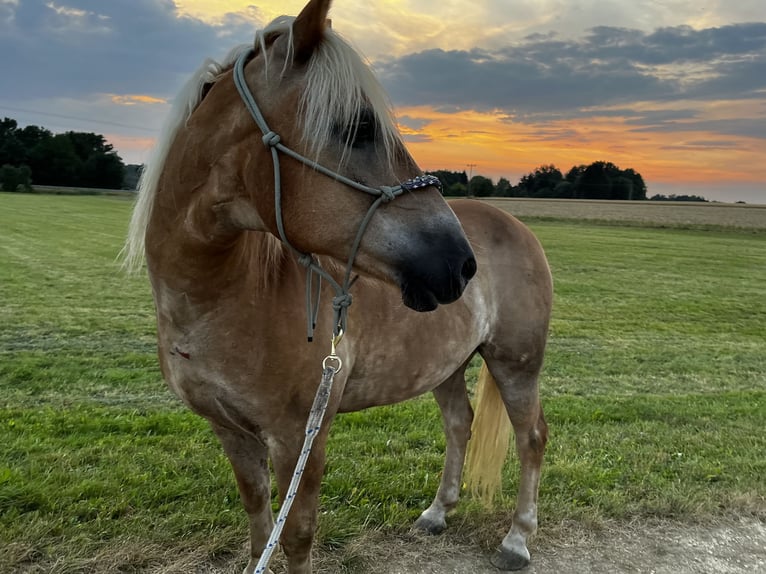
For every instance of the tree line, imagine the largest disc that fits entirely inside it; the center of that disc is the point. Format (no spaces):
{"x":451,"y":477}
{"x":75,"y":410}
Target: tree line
{"x":34,"y":154}
{"x":599,"y":180}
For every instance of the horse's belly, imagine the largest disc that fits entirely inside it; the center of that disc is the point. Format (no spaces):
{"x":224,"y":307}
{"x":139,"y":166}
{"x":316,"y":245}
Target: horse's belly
{"x":388,"y":378}
{"x":369,"y":392}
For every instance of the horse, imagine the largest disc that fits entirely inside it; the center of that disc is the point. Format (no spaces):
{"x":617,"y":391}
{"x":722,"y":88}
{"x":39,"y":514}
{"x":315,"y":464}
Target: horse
{"x":226,"y":232}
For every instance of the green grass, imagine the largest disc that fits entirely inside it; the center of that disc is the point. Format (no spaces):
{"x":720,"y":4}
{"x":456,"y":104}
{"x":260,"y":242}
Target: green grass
{"x":654,"y":389}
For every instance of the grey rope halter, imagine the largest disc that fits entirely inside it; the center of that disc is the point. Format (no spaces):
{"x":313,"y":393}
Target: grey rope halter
{"x":382,"y":194}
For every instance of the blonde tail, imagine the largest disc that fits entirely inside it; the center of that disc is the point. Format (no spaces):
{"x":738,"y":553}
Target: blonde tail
{"x":490,"y":437}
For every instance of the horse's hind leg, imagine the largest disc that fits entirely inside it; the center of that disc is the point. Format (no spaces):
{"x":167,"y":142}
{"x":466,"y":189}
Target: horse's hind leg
{"x":517,"y":382}
{"x":248,"y":457}
{"x":452,"y":398}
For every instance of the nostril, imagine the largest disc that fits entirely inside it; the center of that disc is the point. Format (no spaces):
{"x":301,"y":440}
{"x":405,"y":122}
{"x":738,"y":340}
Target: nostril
{"x":469,"y":268}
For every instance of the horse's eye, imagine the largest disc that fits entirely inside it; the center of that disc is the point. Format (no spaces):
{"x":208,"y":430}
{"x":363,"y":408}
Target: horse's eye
{"x":365,"y":128}
{"x":363,"y":131}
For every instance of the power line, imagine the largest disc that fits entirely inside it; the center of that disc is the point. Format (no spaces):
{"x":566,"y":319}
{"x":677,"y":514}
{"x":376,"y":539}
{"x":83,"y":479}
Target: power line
{"x":76,"y":118}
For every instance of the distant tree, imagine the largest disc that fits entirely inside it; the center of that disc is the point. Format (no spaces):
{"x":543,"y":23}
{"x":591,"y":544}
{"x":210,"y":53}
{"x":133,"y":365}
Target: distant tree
{"x":573,"y":175}
{"x":563,"y":190}
{"x":481,"y":186}
{"x":103,"y":170}
{"x":594,"y":182}
{"x":8,"y":177}
{"x":457,"y":189}
{"x":639,"y":187}
{"x":30,"y":136}
{"x":503,"y":188}
{"x":542,"y":182}
{"x":517,"y":191}
{"x":12,"y":177}
{"x":8,"y":126}
{"x":73,"y":159}
{"x":101,"y":166}
{"x":55,"y":162}
{"x":12,"y":151}
{"x":449,"y":178}
{"x":622,"y":188}
{"x":672,"y":197}
{"x":604,"y":180}
{"x":132,"y":175}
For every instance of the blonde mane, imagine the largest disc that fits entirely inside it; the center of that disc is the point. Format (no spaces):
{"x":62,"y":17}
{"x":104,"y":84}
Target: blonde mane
{"x":339,"y":87}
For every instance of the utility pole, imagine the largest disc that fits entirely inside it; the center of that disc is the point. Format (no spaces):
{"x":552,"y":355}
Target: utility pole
{"x":470,"y":167}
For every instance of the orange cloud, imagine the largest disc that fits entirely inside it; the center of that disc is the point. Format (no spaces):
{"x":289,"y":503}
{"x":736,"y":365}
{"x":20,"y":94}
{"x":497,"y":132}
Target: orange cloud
{"x":133,"y":99}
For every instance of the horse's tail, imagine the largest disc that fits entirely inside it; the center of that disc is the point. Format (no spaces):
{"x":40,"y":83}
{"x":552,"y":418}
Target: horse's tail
{"x":490,"y":437}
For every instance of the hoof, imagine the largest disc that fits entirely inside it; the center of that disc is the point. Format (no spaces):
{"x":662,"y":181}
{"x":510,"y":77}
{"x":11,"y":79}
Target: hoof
{"x":504,"y":559}
{"x":430,"y":526}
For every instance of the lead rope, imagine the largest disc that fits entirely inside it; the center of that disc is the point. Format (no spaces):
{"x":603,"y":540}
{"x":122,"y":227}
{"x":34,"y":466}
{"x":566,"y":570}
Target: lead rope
{"x":332,"y":364}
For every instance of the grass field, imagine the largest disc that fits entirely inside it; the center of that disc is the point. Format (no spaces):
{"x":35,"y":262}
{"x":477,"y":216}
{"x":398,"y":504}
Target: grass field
{"x":654,"y":389}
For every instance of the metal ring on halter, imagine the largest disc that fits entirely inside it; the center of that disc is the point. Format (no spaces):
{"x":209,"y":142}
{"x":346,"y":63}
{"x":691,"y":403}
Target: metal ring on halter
{"x":335,"y":358}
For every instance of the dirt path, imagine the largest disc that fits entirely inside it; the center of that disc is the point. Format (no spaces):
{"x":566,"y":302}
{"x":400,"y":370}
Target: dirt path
{"x":637,"y":548}
{"x":658,"y":549}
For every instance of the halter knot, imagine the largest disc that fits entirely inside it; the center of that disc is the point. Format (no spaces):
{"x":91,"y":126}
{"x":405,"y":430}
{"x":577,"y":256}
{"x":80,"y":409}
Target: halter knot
{"x":342,"y":301}
{"x":306,"y":259}
{"x":388,"y":193}
{"x":271,"y":139}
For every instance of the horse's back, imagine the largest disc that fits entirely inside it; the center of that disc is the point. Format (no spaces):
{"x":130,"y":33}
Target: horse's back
{"x":513,"y":275}
{"x":489,"y":227}
{"x":502,"y":239}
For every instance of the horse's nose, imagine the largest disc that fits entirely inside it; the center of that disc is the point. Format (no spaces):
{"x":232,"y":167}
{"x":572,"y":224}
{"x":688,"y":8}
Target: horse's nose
{"x":469,"y":269}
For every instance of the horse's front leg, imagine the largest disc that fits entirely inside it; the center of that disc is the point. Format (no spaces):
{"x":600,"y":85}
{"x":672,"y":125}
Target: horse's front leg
{"x":247,"y":454}
{"x":298,"y":534}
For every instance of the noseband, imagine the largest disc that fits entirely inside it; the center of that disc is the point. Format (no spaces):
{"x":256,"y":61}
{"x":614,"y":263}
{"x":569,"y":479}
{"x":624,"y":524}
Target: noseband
{"x":382,"y":194}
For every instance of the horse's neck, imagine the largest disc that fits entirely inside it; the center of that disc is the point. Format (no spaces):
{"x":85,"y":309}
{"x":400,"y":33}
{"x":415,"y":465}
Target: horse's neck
{"x":191,"y":246}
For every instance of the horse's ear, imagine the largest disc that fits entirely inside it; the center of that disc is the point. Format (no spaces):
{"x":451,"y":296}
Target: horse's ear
{"x":308,"y":29}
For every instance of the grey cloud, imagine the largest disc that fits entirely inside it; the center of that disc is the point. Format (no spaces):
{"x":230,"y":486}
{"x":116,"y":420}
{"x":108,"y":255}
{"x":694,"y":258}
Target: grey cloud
{"x":417,"y":138}
{"x":704,"y":144}
{"x":675,"y":45}
{"x":548,"y":77}
{"x":121,"y":46}
{"x":749,"y":127}
{"x":654,"y":117}
{"x":516,"y":80}
{"x":412,"y":123}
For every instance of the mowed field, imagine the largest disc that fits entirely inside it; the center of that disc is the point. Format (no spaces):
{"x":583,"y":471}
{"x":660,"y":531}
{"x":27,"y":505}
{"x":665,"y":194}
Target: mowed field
{"x":677,"y":215}
{"x":654,"y":390}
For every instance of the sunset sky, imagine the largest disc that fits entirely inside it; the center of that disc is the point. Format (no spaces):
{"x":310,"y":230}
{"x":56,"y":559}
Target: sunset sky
{"x":675,"y":90}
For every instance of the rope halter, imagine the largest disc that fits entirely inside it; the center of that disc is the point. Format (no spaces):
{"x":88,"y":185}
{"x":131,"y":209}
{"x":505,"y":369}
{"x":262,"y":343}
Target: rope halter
{"x":382,"y":194}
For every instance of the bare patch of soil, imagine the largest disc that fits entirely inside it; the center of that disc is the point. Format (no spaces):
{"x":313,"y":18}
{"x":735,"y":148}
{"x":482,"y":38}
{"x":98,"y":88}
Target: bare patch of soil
{"x":730,"y":547}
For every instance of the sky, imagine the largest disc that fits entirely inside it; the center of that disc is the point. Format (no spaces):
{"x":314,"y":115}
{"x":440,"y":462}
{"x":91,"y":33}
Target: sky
{"x":675,"y":89}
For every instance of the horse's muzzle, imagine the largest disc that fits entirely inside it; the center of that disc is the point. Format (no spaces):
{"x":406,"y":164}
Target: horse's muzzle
{"x":438,"y":274}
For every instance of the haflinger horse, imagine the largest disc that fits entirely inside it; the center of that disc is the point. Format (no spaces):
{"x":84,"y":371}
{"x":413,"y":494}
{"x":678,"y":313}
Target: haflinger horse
{"x":229,"y":283}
